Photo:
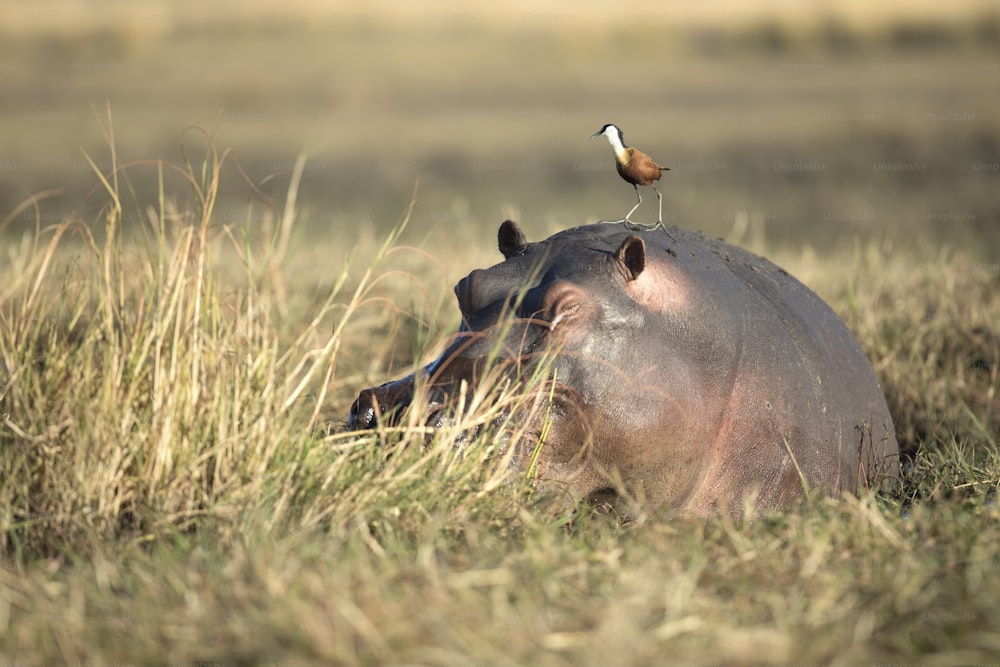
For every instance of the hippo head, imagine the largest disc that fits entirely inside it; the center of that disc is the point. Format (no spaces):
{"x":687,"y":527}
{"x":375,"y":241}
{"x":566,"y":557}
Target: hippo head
{"x":570,"y":308}
{"x":677,"y":369}
{"x":517,"y":315}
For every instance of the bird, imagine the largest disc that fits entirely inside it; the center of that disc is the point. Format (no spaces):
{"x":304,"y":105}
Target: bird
{"x":634,"y":166}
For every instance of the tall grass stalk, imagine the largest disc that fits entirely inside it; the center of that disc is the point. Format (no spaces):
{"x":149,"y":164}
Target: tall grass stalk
{"x":173,"y":490}
{"x":140,"y":396}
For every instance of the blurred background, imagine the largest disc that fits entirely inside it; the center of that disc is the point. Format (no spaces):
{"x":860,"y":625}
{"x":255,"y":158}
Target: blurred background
{"x":790,"y":122}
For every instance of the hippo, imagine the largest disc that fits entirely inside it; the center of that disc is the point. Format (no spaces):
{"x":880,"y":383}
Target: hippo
{"x":687,"y":373}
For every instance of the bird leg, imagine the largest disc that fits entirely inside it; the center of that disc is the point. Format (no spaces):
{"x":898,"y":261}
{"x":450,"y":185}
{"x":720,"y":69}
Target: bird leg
{"x":639,"y":227}
{"x":659,"y":219}
{"x":626,"y":220}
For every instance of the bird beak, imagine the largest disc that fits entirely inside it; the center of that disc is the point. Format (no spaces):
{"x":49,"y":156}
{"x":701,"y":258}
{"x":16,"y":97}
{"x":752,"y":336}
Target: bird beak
{"x":595,"y":135}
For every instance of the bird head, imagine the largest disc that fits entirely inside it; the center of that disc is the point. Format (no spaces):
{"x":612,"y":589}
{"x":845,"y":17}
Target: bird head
{"x":610,"y":130}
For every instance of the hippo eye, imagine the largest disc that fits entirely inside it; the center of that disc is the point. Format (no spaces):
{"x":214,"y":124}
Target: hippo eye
{"x":563,"y":310}
{"x":559,"y":303}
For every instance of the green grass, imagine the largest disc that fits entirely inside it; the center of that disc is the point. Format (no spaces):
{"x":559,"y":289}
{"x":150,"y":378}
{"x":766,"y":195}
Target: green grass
{"x":175,"y":487}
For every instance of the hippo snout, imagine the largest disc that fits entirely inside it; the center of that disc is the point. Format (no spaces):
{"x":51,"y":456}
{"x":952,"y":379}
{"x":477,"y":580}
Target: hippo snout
{"x":385,"y":401}
{"x":363,"y":410}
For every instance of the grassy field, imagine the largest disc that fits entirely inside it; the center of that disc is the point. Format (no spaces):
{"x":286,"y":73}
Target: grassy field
{"x":180,"y":340}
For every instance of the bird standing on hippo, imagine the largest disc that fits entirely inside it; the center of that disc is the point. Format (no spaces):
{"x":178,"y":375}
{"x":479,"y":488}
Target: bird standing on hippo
{"x":635,"y":167}
{"x":686,"y":372}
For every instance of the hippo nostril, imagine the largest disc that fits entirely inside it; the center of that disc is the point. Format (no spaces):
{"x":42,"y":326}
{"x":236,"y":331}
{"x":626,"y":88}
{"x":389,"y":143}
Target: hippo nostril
{"x":380,"y":404}
{"x":363,"y":411}
{"x":365,"y":418}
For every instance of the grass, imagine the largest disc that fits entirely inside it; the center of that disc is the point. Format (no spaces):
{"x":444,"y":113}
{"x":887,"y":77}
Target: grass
{"x":493,"y":113}
{"x":181,"y":340}
{"x":175,"y":488}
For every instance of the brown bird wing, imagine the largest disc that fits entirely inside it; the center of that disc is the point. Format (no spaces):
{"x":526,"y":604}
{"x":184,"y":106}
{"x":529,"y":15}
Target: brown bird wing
{"x":640,"y":168}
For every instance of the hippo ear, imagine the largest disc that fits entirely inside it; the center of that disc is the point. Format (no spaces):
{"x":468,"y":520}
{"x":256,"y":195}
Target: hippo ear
{"x":511,"y":238}
{"x":631,"y":256}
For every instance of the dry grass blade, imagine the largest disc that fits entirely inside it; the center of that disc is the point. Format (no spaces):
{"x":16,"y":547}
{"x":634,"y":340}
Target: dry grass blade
{"x":170,"y":486}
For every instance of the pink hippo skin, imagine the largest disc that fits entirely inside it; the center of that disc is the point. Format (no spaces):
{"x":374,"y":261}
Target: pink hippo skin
{"x":691,"y":374}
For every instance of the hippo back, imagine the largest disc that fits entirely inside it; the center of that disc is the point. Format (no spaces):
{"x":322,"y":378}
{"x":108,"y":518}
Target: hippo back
{"x":791,"y":401}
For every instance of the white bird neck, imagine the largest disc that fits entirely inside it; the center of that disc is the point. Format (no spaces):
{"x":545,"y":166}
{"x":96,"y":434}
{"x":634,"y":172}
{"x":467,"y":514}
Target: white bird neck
{"x":617,"y":146}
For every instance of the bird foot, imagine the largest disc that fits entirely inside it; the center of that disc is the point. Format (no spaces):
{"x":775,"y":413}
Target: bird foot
{"x":640,"y":227}
{"x":659,"y":223}
{"x":633,"y":226}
